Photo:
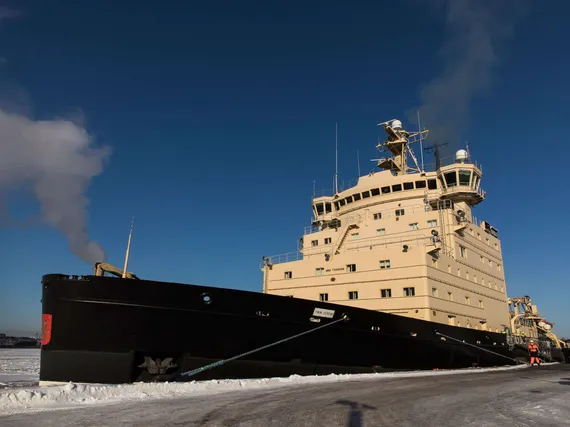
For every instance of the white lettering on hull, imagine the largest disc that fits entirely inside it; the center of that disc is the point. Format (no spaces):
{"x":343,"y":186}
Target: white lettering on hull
{"x":323,"y":312}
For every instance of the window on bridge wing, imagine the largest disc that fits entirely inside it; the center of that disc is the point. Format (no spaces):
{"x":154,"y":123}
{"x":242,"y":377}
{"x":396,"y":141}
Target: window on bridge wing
{"x":464,"y":177}
{"x":476,"y":182}
{"x":451,"y":179}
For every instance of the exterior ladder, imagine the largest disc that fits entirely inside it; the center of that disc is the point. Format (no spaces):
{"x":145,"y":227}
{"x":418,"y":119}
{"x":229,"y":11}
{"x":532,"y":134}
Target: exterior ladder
{"x":352,"y":222}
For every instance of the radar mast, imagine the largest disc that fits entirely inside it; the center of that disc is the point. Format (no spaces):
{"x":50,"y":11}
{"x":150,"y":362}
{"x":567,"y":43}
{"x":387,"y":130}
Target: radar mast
{"x":398,"y":144}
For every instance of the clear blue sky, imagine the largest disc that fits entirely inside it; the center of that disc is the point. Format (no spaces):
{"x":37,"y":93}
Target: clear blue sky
{"x":221,"y":114}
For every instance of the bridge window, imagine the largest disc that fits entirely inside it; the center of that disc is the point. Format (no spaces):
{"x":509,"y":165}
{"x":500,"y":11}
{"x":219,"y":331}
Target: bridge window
{"x":451,"y":178}
{"x":408,"y":185}
{"x":397,"y":187}
{"x":420,"y":184}
{"x":336,"y":205}
{"x":385,"y":190}
{"x":356,"y":196}
{"x":348,"y":199}
{"x":328,"y":208}
{"x":320,"y":209}
{"x":386,"y":293}
{"x":375,"y":191}
{"x":476,"y":182}
{"x":365,"y":194}
{"x":432,"y":184}
{"x":464,"y":177}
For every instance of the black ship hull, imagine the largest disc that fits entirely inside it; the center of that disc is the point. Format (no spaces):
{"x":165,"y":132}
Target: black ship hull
{"x":102,"y":329}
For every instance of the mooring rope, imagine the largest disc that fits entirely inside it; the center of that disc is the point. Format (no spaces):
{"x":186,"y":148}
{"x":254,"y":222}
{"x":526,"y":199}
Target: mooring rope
{"x":192,"y":372}
{"x":480,"y":348}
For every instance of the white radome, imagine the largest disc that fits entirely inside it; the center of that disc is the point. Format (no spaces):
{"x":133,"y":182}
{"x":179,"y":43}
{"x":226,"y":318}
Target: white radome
{"x":397,"y":124}
{"x":461,"y":156}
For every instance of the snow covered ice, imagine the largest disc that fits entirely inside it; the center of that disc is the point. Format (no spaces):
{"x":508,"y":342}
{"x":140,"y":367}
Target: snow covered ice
{"x":19,"y":367}
{"x":30,"y":398}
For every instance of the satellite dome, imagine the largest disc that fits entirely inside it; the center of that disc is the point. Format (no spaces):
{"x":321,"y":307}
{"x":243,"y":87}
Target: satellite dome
{"x":461,"y":156}
{"x":397,"y":124}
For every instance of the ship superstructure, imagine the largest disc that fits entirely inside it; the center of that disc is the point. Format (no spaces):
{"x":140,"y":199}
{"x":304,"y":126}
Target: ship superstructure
{"x":402,"y":241}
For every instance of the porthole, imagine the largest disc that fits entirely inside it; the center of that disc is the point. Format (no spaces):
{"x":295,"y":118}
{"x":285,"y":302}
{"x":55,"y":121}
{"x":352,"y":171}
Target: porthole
{"x":206,"y":298}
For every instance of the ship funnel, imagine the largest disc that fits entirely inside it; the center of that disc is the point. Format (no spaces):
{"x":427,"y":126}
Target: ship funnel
{"x":461,"y":156}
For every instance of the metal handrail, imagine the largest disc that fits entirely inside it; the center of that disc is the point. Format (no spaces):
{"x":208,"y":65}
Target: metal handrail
{"x":417,"y":239}
{"x":428,"y":167}
{"x":386,"y":213}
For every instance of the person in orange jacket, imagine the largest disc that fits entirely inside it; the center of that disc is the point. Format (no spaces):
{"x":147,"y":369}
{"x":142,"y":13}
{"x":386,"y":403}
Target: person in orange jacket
{"x":533,"y":351}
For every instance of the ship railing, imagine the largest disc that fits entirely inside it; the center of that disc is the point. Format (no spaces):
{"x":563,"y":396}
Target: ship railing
{"x":386,"y":213}
{"x":428,"y":167}
{"x":285,"y":257}
{"x":417,"y":239}
{"x":310,"y":229}
{"x":447,"y":161}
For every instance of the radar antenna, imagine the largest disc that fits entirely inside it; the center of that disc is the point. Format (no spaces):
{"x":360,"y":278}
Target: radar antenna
{"x":398,"y":144}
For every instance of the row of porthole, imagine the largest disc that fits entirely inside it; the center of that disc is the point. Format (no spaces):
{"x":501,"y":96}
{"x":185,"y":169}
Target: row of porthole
{"x":207,"y":299}
{"x":414,"y":334}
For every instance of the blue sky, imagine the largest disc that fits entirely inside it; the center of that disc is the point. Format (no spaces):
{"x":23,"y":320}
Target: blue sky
{"x":220,"y":115}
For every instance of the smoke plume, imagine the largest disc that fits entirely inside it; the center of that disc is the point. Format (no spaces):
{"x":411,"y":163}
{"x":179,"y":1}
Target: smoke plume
{"x":475,"y":32}
{"x":56,"y":160}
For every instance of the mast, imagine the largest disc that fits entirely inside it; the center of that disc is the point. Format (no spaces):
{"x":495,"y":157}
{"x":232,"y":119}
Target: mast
{"x":336,"y":159}
{"x":128,"y":249}
{"x":398,"y":144}
{"x":421,"y":147}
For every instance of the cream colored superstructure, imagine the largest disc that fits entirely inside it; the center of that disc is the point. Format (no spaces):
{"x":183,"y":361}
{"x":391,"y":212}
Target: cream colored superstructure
{"x":403,"y":243}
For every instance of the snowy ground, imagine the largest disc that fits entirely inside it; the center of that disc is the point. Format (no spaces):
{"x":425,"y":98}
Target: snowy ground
{"x":519,"y":397}
{"x":21,"y":393}
{"x":19,"y":367}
